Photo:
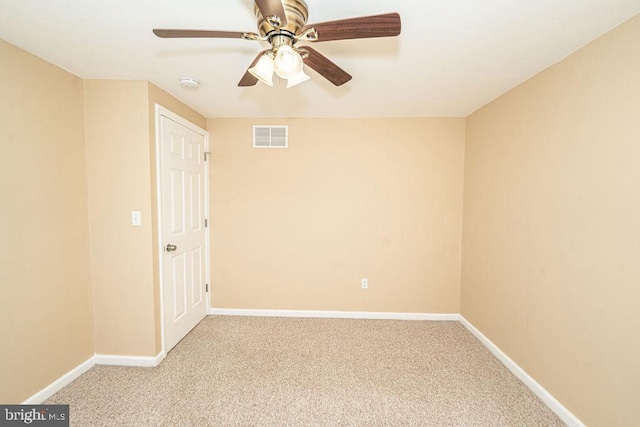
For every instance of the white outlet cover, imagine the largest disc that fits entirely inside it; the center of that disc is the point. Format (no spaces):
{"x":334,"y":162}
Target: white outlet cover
{"x":365,"y":283}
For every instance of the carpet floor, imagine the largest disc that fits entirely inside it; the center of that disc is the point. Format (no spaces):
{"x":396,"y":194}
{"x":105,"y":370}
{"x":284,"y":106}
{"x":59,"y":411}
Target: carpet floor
{"x":243,"y":371}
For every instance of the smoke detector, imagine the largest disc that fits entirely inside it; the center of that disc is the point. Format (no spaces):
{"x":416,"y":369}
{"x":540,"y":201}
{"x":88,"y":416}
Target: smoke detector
{"x":189,"y":83}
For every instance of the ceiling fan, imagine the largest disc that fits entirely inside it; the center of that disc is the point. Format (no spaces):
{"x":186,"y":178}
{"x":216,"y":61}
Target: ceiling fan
{"x":283,"y":23}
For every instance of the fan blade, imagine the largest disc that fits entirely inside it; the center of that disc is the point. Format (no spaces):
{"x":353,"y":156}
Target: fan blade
{"x":325,"y":67}
{"x":387,"y":25}
{"x":249,"y":79}
{"x":172,"y":34}
{"x":269,"y":8}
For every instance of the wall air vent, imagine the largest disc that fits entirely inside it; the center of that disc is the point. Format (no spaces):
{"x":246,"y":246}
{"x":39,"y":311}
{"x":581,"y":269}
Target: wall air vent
{"x":270,"y":136}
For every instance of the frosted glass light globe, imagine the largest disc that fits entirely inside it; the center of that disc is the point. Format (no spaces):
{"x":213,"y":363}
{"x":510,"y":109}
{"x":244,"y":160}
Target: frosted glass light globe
{"x":263,"y":70}
{"x":288,"y":62}
{"x":297,"y":79}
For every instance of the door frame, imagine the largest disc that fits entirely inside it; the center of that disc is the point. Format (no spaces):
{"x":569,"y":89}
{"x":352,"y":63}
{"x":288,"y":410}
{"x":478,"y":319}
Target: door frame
{"x":161,"y":111}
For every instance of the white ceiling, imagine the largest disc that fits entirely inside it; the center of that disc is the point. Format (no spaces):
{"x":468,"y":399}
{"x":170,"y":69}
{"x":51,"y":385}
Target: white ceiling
{"x":452,"y":57}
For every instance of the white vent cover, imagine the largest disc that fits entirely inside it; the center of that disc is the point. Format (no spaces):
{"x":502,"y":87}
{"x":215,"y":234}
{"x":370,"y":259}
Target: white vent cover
{"x":270,"y":136}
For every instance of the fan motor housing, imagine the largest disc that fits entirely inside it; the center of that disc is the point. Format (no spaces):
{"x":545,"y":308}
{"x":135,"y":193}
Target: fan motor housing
{"x":296,"y":12}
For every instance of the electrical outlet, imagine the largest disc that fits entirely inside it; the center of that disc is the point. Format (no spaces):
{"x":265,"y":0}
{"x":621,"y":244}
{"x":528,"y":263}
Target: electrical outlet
{"x":364,"y":283}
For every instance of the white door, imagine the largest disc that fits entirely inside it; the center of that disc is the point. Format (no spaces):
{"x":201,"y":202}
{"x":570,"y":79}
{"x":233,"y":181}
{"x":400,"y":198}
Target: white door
{"x":182,"y":227}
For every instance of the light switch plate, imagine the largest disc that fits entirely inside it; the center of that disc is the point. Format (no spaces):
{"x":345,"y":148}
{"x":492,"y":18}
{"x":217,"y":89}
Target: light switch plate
{"x":136,"y":218}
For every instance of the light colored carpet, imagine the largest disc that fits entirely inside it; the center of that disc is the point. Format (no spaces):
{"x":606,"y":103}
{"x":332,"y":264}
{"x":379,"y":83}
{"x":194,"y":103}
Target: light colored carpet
{"x":240,"y":371}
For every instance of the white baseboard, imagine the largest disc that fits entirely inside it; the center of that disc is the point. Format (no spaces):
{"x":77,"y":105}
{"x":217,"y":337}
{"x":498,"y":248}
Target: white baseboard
{"x":60,"y":383}
{"x":96,"y":359}
{"x":334,"y":314}
{"x":553,"y":403}
{"x":141,"y":361}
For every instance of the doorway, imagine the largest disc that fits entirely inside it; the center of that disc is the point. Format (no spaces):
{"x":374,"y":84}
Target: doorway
{"x":183,"y":201}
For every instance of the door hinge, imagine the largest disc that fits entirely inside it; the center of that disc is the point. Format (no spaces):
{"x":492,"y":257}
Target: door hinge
{"x":206,"y":155}
{"x":206,"y":222}
{"x":207,"y":287}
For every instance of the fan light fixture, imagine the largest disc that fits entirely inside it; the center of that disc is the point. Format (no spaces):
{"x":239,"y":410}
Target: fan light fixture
{"x":287,"y":65}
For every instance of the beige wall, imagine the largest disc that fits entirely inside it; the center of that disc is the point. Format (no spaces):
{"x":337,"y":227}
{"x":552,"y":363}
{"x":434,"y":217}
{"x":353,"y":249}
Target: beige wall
{"x":551,"y":227}
{"x":298,"y":228}
{"x":45,"y":309}
{"x":120,"y":122}
{"x":158,"y":96}
{"x":118,"y":165}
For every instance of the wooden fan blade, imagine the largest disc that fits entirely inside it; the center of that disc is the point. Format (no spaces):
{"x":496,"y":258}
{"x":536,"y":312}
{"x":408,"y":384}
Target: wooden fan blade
{"x":325,"y":67}
{"x":269,"y":8}
{"x":173,"y":34}
{"x":249,"y":79}
{"x":387,"y":25}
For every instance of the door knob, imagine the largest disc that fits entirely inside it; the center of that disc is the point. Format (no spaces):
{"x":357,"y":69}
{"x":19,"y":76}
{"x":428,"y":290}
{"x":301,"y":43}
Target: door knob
{"x":170,"y":248}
